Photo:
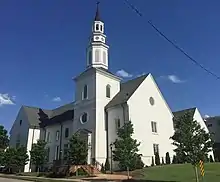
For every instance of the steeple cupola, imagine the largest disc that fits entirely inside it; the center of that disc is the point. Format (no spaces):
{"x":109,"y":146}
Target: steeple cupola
{"x":97,"y":51}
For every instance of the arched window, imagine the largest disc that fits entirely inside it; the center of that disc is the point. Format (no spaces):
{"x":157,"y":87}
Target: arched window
{"x":85,"y":92}
{"x":108,"y":91}
{"x":101,"y":28}
{"x":96,"y":55}
{"x":104,"y":57}
{"x":97,"y":27}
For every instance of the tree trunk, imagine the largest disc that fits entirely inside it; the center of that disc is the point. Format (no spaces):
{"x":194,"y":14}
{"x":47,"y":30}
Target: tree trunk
{"x":128,"y":172}
{"x":38,"y":171}
{"x":196,"y":173}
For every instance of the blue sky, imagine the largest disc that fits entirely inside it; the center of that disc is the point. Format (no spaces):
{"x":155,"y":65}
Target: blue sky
{"x":43,"y":43}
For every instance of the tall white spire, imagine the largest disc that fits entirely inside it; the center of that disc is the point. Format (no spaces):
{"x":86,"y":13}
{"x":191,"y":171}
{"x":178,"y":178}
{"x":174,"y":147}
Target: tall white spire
{"x":97,"y":51}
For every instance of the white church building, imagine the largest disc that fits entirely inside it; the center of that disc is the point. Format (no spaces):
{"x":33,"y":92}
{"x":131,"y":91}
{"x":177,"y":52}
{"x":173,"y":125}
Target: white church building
{"x":103,"y":103}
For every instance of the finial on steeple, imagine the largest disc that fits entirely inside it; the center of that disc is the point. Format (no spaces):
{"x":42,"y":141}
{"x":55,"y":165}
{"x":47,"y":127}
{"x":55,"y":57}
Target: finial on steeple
{"x":97,"y":16}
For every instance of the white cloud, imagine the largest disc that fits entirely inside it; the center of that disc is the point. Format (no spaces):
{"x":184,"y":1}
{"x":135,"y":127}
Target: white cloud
{"x":206,"y":116}
{"x":56,"y":99}
{"x":141,"y":74}
{"x":173,"y":78}
{"x":122,"y":73}
{"x":5,"y":99}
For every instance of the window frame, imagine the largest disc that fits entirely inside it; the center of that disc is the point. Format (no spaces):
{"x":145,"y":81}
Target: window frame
{"x":154,"y":127}
{"x":117,"y":123}
{"x":66,"y":132}
{"x":57,"y":135}
{"x":81,"y":117}
{"x":85,"y":92}
{"x":108,"y":91}
{"x":156,"y":148}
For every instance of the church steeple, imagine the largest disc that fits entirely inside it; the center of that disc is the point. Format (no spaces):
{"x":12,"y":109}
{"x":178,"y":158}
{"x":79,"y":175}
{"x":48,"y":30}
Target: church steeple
{"x":97,"y":16}
{"x":97,"y":51}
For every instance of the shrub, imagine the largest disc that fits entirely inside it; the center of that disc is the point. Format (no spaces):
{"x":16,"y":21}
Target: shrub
{"x":152,"y":164}
{"x":162,"y":161}
{"x":167,"y":158}
{"x":157,"y":159}
{"x":211,"y":159}
{"x":103,"y":169}
{"x":174,"y":160}
{"x":139,"y":163}
{"x":107,"y":165}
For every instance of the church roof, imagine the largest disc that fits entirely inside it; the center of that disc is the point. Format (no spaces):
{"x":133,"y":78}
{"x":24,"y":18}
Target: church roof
{"x":126,"y":91}
{"x":33,"y":116}
{"x":37,"y":116}
{"x":180,"y":113}
{"x":93,"y":69}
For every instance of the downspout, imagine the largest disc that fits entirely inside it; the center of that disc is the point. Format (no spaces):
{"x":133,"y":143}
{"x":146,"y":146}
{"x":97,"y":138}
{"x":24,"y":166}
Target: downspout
{"x":106,"y":128}
{"x":61,"y":134}
{"x":123,"y":111}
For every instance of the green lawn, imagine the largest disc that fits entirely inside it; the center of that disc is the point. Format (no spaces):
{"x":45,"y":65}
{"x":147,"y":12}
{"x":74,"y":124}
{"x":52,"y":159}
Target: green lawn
{"x":178,"y":173}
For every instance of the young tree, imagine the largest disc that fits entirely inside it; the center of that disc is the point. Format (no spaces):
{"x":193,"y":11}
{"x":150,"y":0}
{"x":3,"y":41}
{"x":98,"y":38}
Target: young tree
{"x":157,"y":159}
{"x":4,"y":140}
{"x":38,"y":154}
{"x":126,"y":148}
{"x":191,"y":140}
{"x":167,"y":158}
{"x":78,"y":150}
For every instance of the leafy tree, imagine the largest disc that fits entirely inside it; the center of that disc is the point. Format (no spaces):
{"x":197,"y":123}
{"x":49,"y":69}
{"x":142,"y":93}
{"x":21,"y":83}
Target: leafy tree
{"x":78,"y":150}
{"x":211,"y":158}
{"x":10,"y":159}
{"x":157,"y":159}
{"x":2,"y":153}
{"x":152,"y":163}
{"x":4,"y":140}
{"x":174,"y":160}
{"x":167,"y":158}
{"x":191,"y":140}
{"x":180,"y":157}
{"x":107,"y":165}
{"x":126,"y":148}
{"x":15,"y":158}
{"x":38,"y":154}
{"x":22,"y":157}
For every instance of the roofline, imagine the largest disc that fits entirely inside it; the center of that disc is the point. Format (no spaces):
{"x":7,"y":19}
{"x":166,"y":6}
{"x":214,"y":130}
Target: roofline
{"x":185,"y":109}
{"x":109,"y":74}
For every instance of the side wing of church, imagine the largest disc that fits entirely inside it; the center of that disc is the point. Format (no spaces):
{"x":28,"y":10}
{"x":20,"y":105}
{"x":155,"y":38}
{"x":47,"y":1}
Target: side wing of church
{"x":141,"y":102}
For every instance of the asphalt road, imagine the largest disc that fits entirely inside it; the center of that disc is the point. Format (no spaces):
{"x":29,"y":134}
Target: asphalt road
{"x":10,"y":180}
